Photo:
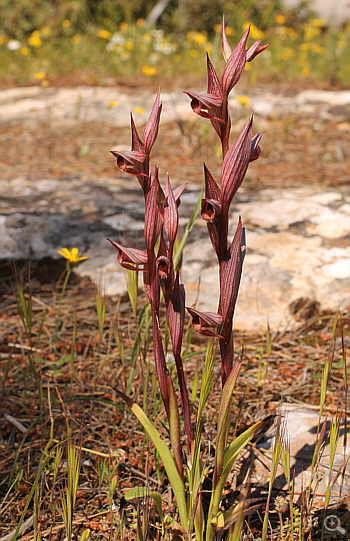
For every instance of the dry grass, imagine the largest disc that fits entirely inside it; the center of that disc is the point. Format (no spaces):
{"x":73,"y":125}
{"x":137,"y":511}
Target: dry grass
{"x":82,"y":396}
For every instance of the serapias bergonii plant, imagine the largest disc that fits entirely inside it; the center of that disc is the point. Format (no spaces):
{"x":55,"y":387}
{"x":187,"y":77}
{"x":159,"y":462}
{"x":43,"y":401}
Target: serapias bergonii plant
{"x":160,"y":273}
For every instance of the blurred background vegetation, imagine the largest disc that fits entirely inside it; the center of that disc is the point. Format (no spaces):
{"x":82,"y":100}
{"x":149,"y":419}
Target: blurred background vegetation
{"x":64,"y":42}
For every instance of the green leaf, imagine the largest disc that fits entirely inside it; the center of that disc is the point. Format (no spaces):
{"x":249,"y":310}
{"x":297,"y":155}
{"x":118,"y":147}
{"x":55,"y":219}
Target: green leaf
{"x":132,"y":288}
{"x":169,"y":464}
{"x":230,"y":457}
{"x":207,"y":378}
{"x":85,"y":535}
{"x":227,"y":395}
{"x":62,"y":360}
{"x":144,"y":492}
{"x":101,"y":312}
{"x":238,"y":444}
{"x":224,"y":419}
{"x":84,"y":150}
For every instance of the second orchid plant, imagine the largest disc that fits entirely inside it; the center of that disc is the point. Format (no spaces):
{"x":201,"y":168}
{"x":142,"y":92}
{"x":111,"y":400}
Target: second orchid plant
{"x":161,"y":274}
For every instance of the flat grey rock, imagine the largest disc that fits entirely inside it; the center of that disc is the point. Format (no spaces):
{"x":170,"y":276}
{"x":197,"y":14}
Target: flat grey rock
{"x":69,"y":105}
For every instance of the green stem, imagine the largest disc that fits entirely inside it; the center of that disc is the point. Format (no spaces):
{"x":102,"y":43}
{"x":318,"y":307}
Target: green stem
{"x":69,"y":270}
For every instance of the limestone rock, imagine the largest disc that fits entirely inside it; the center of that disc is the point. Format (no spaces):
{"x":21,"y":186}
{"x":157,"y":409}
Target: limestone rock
{"x":297,"y":241}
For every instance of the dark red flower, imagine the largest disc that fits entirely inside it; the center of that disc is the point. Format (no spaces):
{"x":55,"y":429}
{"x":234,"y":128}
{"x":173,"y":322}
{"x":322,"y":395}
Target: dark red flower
{"x":136,"y":161}
{"x":230,"y":273}
{"x":171,"y":215}
{"x":255,"y":150}
{"x":235,"y":65}
{"x":255,"y":49}
{"x":129,"y":255}
{"x":153,"y":222}
{"x":236,"y":162}
{"x":205,"y":322}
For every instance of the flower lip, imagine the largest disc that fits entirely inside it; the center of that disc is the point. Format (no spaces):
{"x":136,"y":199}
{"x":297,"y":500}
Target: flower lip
{"x":163,"y":267}
{"x":132,"y":157}
{"x":202,"y":322}
{"x":203,"y":104}
{"x":207,"y":101}
{"x":210,"y":208}
{"x":129,"y":255}
{"x":130,"y":162}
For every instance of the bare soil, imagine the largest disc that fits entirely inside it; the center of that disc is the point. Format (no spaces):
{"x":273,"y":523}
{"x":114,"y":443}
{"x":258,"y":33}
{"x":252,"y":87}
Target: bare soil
{"x":295,"y":151}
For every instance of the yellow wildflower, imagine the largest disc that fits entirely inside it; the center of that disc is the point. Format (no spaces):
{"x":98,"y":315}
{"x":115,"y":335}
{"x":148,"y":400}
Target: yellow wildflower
{"x":124,"y":26}
{"x":45,"y":83}
{"x":35,"y":40}
{"x":317,"y":48}
{"x":3,"y":39}
{"x":75,"y":39}
{"x":139,"y":110}
{"x":112,"y":104}
{"x":292,"y":33}
{"x":281,"y":31}
{"x":287,"y":53}
{"x":125,"y":55}
{"x":341,"y":41}
{"x":149,"y":71}
{"x":24,"y":51}
{"x":66,"y":23}
{"x":280,"y":19}
{"x":72,"y":255}
{"x":319,"y":23}
{"x":200,"y":38}
{"x":177,"y":58}
{"x":46,"y":31}
{"x":197,"y":37}
{"x":230,"y":31}
{"x":217,"y":28}
{"x":306,"y":70}
{"x":310,"y":31}
{"x":104,"y":34}
{"x":129,"y":45}
{"x":140,"y":23}
{"x":39,"y":75}
{"x":255,"y":33}
{"x":243,"y":100}
{"x":146,"y":38}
